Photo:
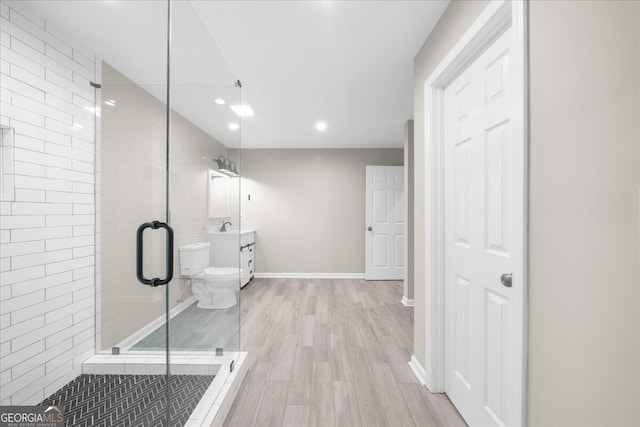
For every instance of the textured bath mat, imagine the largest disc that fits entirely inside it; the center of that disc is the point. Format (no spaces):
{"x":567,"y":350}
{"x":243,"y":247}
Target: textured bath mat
{"x":129,"y":400}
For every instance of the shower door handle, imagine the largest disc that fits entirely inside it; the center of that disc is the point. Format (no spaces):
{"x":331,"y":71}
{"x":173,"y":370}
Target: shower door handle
{"x":156,"y":281}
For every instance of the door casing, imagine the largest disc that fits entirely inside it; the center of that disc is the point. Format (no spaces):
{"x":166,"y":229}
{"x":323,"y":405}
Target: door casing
{"x":492,"y":22}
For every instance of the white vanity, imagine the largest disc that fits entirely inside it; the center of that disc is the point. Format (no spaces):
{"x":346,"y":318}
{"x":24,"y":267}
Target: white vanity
{"x":233,"y":246}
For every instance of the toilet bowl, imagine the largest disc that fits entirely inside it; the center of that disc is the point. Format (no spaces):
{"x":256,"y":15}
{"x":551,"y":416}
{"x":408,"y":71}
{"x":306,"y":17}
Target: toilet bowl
{"x":213,"y":287}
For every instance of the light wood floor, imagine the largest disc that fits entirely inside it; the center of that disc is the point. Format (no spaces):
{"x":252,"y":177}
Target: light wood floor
{"x":329,"y":353}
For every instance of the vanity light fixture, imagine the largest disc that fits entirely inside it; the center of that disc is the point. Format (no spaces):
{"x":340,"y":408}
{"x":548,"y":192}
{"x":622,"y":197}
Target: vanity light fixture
{"x":321,"y":126}
{"x":243,"y":110}
{"x":226,"y":166}
{"x":220,"y":101}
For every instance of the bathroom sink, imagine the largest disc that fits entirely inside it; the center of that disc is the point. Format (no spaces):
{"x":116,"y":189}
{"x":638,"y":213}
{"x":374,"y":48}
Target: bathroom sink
{"x":216,"y":230}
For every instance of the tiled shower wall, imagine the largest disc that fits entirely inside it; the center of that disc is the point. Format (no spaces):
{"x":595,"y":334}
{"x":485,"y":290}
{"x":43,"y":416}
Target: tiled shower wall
{"x":47,"y":247}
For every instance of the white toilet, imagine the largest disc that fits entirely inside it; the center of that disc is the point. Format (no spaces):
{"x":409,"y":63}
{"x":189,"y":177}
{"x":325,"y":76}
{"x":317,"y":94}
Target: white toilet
{"x":213,"y":287}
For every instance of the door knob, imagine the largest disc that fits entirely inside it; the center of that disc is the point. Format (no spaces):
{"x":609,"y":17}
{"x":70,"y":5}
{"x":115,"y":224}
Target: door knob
{"x":369,"y":228}
{"x":506,"y":279}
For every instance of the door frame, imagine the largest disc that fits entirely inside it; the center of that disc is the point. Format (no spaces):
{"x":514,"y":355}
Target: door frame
{"x":498,"y":16}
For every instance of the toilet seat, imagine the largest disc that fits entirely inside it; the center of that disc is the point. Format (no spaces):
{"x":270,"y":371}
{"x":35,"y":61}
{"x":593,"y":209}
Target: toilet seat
{"x":221,"y":273}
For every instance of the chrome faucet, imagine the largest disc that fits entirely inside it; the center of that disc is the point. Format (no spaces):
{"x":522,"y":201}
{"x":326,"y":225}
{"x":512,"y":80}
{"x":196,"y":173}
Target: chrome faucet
{"x":224,"y":225}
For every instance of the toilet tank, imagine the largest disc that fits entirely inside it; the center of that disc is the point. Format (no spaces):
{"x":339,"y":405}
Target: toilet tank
{"x":194,"y":258}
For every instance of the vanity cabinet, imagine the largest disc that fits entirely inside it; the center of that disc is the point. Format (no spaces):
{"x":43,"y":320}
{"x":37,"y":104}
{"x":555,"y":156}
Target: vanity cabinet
{"x":228,"y":248}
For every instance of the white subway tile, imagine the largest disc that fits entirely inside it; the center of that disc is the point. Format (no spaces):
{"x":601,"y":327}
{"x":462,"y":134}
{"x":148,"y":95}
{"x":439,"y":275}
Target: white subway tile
{"x":20,"y":303}
{"x":42,"y":283}
{"x":60,"y":220}
{"x":41,"y":209}
{"x":5,"y":349}
{"x":83,"y":252}
{"x":34,"y":157}
{"x":84,"y":273}
{"x":83,"y":209}
{"x":22,"y":115}
{"x":51,"y":327}
{"x":5,"y":236}
{"x":27,"y":143}
{"x":22,"y":128}
{"x":83,"y":145}
{"x":23,"y":381}
{"x":78,"y":131}
{"x":36,"y":183}
{"x":23,"y":88}
{"x":33,"y":24}
{"x":4,"y":68}
{"x":27,"y":234}
{"x":86,"y":62}
{"x":26,"y":195}
{"x":62,"y":314}
{"x":29,"y":169}
{"x":21,"y":275}
{"x":5,"y":376}
{"x":59,"y":377}
{"x":4,"y":10}
{"x":5,"y":264}
{"x":19,"y":329}
{"x":51,"y":136}
{"x":85,"y":334}
{"x":81,"y":295}
{"x":68,"y":287}
{"x":23,"y":61}
{"x":63,"y":356}
{"x":37,"y":309}
{"x":5,"y":321}
{"x":42,"y":108}
{"x":40,"y":83}
{"x":15,"y":249}
{"x":22,"y":221}
{"x":83,"y":314}
{"x":69,"y":175}
{"x":64,"y":334}
{"x":68,"y":63}
{"x":70,"y":153}
{"x":66,"y":81}
{"x":41,"y":258}
{"x":24,"y":36}
{"x":43,"y":357}
{"x":69,"y":107}
{"x":5,"y":208}
{"x":72,"y":242}
{"x":5,"y":96}
{"x":80,"y":187}
{"x":5,"y":293}
{"x":66,"y":197}
{"x":59,"y":44}
{"x":5,"y":39}
{"x":76,"y":263}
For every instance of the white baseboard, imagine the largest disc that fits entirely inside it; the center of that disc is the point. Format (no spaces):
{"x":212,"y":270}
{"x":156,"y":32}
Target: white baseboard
{"x":407,"y":302}
{"x":417,"y":370}
{"x":309,"y":276}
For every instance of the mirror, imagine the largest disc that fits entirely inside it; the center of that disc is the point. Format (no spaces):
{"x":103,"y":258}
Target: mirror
{"x":219,"y":195}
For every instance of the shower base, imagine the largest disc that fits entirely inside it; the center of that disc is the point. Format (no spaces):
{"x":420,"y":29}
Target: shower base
{"x":129,"y":400}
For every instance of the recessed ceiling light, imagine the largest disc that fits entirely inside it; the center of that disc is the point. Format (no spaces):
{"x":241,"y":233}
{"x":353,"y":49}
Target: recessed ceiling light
{"x":242,"y":110}
{"x":110,"y":102}
{"x":234,"y":126}
{"x":321,"y":126}
{"x":220,"y":101}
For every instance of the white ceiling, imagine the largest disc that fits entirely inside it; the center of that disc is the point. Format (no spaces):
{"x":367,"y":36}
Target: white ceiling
{"x":348,"y":63}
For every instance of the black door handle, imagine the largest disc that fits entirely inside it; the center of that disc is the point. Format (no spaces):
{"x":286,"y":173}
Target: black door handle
{"x":156,"y":281}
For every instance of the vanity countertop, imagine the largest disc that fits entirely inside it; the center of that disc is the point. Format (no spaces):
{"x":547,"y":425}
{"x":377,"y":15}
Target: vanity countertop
{"x":216,"y":230}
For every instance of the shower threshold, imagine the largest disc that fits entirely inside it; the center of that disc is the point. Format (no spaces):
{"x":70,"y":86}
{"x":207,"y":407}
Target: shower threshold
{"x":215,"y":403}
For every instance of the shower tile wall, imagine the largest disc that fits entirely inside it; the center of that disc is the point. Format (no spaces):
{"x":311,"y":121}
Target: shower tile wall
{"x":47,"y":265}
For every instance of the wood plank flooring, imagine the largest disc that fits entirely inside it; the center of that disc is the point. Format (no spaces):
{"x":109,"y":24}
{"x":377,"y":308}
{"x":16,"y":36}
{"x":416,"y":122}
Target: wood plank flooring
{"x":331,"y":352}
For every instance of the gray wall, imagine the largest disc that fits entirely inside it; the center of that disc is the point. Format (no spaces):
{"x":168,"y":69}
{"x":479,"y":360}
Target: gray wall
{"x":307,"y":207}
{"x":584,"y":286}
{"x":455,"y":21}
{"x":584,"y":361}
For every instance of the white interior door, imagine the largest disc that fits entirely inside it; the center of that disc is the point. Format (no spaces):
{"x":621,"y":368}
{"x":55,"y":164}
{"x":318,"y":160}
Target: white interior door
{"x":480,"y":193}
{"x":384,"y":222}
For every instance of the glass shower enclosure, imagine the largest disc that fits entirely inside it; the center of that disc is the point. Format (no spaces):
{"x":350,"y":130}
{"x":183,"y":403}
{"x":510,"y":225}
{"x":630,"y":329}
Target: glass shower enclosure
{"x":119,"y":115}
